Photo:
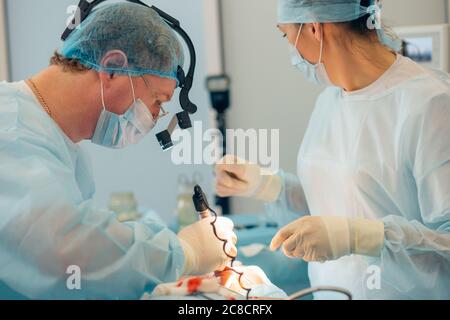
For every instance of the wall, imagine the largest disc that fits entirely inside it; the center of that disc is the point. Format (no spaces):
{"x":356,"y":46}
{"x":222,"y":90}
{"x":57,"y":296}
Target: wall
{"x":35,"y":28}
{"x":267,"y":91}
{"x":415,"y":12}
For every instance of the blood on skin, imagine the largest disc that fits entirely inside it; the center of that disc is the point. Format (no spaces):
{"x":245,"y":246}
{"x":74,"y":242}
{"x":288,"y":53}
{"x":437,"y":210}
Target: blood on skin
{"x":193,"y":284}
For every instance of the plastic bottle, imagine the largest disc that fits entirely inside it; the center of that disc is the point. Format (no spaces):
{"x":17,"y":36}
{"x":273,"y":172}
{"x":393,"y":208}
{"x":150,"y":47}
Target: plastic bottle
{"x":125,"y":206}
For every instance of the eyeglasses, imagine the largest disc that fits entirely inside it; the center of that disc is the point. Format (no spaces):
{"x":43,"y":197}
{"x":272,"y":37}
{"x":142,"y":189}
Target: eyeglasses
{"x":162,"y":112}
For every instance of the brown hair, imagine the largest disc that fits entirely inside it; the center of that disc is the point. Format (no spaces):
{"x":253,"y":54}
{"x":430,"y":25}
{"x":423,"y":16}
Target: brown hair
{"x":359,"y":26}
{"x":67,"y":64}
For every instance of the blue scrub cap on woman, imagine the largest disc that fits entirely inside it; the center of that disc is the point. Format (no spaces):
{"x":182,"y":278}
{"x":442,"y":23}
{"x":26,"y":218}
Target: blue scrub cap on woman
{"x":332,"y":11}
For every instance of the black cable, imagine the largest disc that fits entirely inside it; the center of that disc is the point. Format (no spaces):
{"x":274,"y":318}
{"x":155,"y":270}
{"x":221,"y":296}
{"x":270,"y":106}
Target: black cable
{"x":201,"y":206}
{"x":233,"y":258}
{"x":309,"y":291}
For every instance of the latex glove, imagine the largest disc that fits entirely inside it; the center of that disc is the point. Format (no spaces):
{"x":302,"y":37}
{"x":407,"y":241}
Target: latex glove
{"x":252,"y":275}
{"x":323,"y":238}
{"x":236,"y":177}
{"x":253,"y":278}
{"x":203,"y":252}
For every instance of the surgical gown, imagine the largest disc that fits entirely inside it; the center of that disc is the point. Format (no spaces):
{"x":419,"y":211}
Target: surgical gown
{"x":49,"y":223}
{"x":381,"y":153}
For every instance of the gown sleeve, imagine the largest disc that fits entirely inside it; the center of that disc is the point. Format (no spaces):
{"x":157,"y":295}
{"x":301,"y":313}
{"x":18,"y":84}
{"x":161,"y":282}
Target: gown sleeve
{"x":291,"y":203}
{"x":46,"y":226}
{"x":420,"y":250}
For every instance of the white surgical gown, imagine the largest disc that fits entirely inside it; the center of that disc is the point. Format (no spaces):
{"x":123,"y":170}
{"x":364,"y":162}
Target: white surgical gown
{"x":48,"y":221}
{"x":381,"y":153}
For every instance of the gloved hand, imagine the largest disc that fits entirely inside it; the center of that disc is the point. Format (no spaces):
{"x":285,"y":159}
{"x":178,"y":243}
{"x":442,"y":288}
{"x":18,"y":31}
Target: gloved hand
{"x":202,"y":250}
{"x":323,"y":238}
{"x":252,"y":277}
{"x":236,"y":177}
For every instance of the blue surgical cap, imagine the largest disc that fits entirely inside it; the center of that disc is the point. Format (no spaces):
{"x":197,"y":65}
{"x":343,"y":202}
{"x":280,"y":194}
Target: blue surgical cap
{"x":332,"y":11}
{"x":149,"y":43}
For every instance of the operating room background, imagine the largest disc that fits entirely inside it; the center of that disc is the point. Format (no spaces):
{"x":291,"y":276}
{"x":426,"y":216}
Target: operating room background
{"x":266,"y":91}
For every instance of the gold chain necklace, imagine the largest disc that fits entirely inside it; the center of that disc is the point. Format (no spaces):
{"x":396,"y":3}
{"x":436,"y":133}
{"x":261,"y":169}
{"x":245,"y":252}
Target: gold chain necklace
{"x":39,"y":96}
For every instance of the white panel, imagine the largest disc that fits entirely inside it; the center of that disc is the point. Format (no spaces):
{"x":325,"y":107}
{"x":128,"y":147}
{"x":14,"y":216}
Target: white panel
{"x":212,"y":37}
{"x":3,"y":44}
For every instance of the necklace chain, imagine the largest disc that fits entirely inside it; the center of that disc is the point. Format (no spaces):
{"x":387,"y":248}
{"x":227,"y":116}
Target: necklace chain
{"x":40,"y":97}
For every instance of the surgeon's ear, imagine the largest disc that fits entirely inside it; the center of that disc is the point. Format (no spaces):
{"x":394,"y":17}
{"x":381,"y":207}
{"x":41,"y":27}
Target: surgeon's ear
{"x":115,"y":59}
{"x":317,"y":29}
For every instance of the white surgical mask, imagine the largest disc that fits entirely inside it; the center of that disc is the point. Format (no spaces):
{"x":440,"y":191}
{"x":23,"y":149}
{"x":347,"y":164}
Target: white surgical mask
{"x":316,"y":74}
{"x":119,"y":131}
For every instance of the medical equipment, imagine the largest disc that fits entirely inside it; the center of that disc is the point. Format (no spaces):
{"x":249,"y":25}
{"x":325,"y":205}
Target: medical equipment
{"x":314,"y":73}
{"x":201,"y":203}
{"x":219,"y":89}
{"x":295,"y":296}
{"x":185,"y":80}
{"x":117,"y":131}
{"x":427,"y":45}
{"x":218,"y":82}
{"x":202,"y":207}
{"x":204,"y":210}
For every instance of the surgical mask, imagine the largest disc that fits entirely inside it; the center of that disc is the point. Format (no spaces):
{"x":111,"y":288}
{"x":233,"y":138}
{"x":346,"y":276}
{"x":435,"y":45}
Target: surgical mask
{"x":119,"y":131}
{"x":316,"y":74}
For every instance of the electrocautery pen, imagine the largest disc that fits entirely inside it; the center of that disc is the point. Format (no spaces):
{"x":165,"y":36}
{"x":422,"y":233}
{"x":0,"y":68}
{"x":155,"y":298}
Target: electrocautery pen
{"x":201,"y":203}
